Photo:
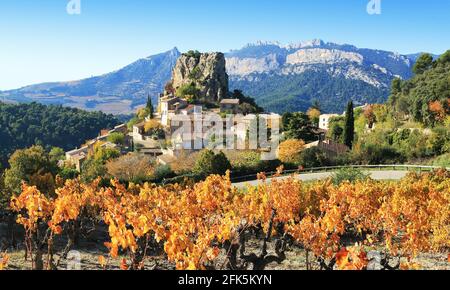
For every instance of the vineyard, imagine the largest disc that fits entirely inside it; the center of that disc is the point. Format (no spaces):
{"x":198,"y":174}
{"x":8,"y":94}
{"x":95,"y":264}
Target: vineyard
{"x":213,"y":225}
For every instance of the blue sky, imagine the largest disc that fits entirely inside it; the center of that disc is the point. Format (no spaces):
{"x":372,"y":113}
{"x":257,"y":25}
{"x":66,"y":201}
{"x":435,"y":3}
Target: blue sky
{"x":41,"y":42}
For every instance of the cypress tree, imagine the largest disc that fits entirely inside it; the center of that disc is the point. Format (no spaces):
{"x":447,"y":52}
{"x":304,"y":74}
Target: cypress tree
{"x":349,"y":130}
{"x":149,"y":107}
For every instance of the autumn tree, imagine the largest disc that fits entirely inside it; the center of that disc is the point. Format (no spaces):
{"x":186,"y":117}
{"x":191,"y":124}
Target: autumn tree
{"x":370,"y":116}
{"x":314,"y":116}
{"x":184,"y":162}
{"x":438,"y":110}
{"x":290,"y":150}
{"x":131,"y":168}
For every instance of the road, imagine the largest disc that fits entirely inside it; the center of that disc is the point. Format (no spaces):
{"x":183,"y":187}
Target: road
{"x":376,"y":175}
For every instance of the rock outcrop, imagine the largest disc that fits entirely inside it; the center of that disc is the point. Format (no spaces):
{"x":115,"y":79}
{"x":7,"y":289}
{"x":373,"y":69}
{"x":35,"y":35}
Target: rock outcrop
{"x":207,"y":71}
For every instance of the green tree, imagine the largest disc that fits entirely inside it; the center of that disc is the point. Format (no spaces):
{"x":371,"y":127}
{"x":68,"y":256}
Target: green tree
{"x":68,"y":173}
{"x":298,"y":126}
{"x":117,"y":138}
{"x":349,"y":129}
{"x":190,"y":90}
{"x":444,"y":58}
{"x":336,"y":131}
{"x":396,"y":86}
{"x":209,"y":163}
{"x":103,"y":154}
{"x":423,"y":63}
{"x":92,"y":169}
{"x":248,"y":104}
{"x":56,"y":154}
{"x":285,"y":120}
{"x":424,"y":98}
{"x":193,"y":53}
{"x":32,"y":166}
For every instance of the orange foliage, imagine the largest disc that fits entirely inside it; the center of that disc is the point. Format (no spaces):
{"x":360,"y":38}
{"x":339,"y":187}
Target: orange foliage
{"x":4,"y":261}
{"x":290,"y":150}
{"x":353,"y":258}
{"x":438,"y":110}
{"x":193,"y":223}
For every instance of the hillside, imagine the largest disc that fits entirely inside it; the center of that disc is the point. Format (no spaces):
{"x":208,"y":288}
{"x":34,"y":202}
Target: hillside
{"x":425,"y":97}
{"x":119,"y":92}
{"x":290,"y":78}
{"x":280,"y":77}
{"x":24,"y":125}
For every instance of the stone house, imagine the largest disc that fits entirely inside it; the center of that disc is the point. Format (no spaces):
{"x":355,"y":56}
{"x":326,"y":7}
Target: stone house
{"x":331,"y":148}
{"x":230,"y":106}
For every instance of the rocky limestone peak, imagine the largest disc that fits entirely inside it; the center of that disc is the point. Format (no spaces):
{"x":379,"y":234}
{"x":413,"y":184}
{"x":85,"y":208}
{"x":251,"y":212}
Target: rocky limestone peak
{"x":306,"y":44}
{"x":207,"y":71}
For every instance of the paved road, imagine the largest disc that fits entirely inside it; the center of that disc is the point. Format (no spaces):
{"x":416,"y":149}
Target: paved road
{"x":376,"y":175}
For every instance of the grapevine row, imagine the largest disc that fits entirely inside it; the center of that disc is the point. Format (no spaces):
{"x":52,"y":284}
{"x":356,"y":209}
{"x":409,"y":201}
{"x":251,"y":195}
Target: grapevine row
{"x":209,"y":225}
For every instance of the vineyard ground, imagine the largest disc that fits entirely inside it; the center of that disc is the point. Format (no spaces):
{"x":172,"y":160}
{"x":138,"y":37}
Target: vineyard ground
{"x":91,"y":249}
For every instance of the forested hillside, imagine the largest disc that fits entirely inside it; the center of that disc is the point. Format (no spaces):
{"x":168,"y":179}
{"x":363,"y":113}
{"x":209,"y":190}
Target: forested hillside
{"x":426,"y":97}
{"x":297,"y":92}
{"x":27,"y":124}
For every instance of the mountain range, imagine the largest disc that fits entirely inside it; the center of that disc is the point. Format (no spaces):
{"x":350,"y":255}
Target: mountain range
{"x":280,"y":77}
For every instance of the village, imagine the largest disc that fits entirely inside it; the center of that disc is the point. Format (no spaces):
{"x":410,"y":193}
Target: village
{"x":196,"y":111}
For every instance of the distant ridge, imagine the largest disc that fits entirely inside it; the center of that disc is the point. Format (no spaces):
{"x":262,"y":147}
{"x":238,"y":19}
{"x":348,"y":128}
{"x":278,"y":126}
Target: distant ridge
{"x":118,"y":92}
{"x":280,"y":77}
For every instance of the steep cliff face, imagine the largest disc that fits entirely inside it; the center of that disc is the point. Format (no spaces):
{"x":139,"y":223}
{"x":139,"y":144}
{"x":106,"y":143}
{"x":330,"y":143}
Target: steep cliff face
{"x":291,"y":77}
{"x":207,"y":71}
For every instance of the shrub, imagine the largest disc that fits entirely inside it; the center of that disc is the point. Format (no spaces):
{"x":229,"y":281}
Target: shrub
{"x":188,"y":90}
{"x":68,"y":173}
{"x":443,"y":161}
{"x":117,"y":138}
{"x":92,"y":169}
{"x":348,"y":174}
{"x":314,"y":157}
{"x":378,"y":154}
{"x":209,"y":163}
{"x":193,"y":53}
{"x":162,"y":172}
{"x":249,"y":162}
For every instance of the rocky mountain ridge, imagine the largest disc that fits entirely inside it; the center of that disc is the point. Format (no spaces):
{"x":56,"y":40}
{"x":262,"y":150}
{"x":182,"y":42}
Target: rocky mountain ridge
{"x":280,"y":77}
{"x":328,"y":72}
